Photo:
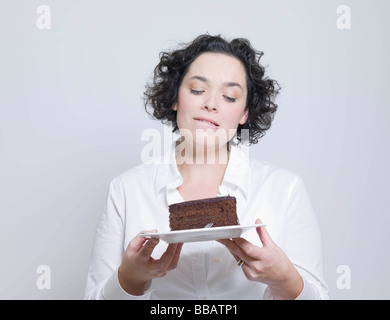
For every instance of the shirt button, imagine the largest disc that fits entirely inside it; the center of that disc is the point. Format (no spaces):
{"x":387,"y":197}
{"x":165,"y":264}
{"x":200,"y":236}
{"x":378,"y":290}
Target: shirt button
{"x":216,"y":260}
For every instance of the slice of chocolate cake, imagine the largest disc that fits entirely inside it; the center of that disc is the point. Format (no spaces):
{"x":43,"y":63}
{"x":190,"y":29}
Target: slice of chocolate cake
{"x":220,"y":211}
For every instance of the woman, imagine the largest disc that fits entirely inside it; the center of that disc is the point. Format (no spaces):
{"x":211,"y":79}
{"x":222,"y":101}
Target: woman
{"x":214,"y":94}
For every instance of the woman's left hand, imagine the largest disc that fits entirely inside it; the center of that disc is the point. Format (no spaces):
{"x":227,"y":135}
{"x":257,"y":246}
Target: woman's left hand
{"x":267,"y":264}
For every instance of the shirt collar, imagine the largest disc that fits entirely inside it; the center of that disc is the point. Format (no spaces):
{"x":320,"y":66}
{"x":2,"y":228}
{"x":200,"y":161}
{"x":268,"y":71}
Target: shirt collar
{"x":237,"y":170}
{"x":167,"y":174}
{"x":236,"y":174}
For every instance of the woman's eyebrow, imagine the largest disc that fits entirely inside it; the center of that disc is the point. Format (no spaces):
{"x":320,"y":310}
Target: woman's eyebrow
{"x":232,"y":84}
{"x":225,"y":84}
{"x":203,"y":79}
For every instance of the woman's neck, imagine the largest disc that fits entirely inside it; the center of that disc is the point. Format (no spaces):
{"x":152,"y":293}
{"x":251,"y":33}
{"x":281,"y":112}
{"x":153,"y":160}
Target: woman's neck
{"x":202,"y":168}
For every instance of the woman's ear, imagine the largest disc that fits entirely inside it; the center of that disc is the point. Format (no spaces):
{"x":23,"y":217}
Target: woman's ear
{"x":174,"y":107}
{"x":244,"y":117}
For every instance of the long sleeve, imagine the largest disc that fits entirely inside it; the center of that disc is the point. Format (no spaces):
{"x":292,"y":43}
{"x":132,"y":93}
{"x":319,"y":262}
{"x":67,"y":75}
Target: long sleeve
{"x":303,"y":243}
{"x":108,"y":249}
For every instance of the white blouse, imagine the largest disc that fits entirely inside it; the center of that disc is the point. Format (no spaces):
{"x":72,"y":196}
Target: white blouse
{"x":138,"y":200}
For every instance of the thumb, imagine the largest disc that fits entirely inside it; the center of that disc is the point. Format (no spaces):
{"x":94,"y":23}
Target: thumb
{"x":264,"y":236}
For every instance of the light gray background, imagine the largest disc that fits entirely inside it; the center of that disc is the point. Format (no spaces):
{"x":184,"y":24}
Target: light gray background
{"x":71,"y":118}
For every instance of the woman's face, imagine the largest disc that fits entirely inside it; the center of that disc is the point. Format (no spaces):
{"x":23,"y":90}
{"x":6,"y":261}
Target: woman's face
{"x":212,"y":99}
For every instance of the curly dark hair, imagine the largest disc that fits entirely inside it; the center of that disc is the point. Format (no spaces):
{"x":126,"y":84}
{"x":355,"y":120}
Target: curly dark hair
{"x":162,"y":93}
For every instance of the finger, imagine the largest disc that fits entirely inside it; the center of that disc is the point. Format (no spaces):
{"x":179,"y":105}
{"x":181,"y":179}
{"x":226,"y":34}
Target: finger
{"x":146,"y":251}
{"x":175,"y":259}
{"x":251,"y":250}
{"x":235,"y":250}
{"x":224,"y":242}
{"x":166,"y":258}
{"x":264,"y":236}
{"x":137,"y":243}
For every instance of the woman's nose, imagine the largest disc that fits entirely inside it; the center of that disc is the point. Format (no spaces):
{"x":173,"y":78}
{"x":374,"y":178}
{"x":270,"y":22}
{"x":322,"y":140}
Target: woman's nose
{"x":209,"y":108}
{"x":211,"y":104}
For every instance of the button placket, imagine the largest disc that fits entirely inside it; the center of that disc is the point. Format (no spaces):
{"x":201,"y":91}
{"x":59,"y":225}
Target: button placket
{"x":199,"y":272}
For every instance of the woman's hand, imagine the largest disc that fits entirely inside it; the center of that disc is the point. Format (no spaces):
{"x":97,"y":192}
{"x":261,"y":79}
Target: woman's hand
{"x":138,"y":268}
{"x":267,"y":264}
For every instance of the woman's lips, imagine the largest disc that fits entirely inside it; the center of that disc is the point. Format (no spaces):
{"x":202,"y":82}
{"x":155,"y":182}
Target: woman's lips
{"x":207,"y":121}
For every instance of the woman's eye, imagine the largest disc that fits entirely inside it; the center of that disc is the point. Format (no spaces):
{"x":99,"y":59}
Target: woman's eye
{"x":196,"y":91}
{"x":229,"y":99}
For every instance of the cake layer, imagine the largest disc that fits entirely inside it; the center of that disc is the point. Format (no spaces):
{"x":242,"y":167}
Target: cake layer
{"x":220,"y":211}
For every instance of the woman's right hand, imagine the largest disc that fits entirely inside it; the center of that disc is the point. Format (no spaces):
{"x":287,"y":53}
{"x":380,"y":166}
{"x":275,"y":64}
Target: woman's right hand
{"x":138,"y":268}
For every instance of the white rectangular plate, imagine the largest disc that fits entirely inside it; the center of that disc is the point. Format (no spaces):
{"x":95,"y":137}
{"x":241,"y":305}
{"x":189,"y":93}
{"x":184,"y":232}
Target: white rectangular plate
{"x":204,"y":234}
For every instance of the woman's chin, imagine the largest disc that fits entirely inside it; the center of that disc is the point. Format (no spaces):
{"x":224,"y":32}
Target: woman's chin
{"x":207,"y":137}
